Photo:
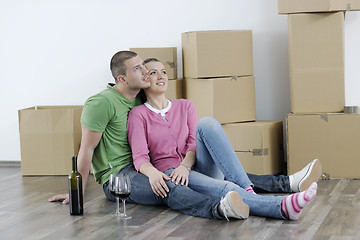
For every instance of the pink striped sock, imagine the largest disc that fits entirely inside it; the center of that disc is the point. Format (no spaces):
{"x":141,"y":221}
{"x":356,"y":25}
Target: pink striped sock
{"x":292,"y":205}
{"x":250,"y":190}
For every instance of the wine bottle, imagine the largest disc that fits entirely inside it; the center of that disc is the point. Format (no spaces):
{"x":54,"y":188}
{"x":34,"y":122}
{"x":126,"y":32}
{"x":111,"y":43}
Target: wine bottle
{"x":75,"y":190}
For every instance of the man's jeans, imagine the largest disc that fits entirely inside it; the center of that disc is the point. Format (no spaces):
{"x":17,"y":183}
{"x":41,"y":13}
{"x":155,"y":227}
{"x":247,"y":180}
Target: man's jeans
{"x":216,"y":158}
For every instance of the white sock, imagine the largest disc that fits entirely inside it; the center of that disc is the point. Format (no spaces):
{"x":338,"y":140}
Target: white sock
{"x":291,"y":182}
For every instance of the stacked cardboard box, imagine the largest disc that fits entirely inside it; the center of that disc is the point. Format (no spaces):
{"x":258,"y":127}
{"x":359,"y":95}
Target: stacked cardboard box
{"x":218,"y":71}
{"x":259,"y":145}
{"x":331,"y":137}
{"x":167,"y":56}
{"x":316,"y":62}
{"x":303,"y":6}
{"x":317,"y":128}
{"x":49,"y":137}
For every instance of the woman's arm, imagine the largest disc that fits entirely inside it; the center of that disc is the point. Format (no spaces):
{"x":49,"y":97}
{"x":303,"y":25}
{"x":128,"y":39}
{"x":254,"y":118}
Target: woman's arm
{"x":181,"y":173}
{"x":156,"y":179}
{"x":137,"y":139}
{"x":192,"y":121}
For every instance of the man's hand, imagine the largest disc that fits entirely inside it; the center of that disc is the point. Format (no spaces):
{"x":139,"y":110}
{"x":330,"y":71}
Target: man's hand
{"x":180,"y":174}
{"x":89,"y":141}
{"x":64,"y":198}
{"x":158,"y":185}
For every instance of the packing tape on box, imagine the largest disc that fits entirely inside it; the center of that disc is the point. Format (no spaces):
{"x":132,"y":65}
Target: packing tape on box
{"x":257,"y":152}
{"x":324,"y":117}
{"x":348,"y":7}
{"x":325,"y":176}
{"x":351,"y":109}
{"x":171,"y":64}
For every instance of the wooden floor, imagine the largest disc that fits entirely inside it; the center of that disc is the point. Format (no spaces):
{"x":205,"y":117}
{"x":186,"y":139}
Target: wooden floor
{"x":25,"y":213}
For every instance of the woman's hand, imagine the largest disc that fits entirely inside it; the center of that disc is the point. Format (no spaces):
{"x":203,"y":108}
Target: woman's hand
{"x":180,"y":174}
{"x":158,"y":185}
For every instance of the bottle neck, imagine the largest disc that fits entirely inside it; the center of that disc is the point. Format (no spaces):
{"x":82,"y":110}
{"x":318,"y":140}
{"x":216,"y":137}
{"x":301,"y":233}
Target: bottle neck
{"x":74,"y":164}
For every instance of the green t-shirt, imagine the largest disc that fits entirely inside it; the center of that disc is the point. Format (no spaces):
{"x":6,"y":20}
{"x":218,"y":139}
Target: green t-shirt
{"x":107,"y":112}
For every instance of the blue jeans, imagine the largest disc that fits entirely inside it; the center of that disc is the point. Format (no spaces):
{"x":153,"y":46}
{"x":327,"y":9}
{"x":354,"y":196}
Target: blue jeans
{"x":180,"y":198}
{"x":270,"y":183}
{"x":200,"y":198}
{"x":216,"y":158}
{"x":260,"y":205}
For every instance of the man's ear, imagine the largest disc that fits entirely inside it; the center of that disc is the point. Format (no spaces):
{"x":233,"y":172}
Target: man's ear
{"x":121,"y":79}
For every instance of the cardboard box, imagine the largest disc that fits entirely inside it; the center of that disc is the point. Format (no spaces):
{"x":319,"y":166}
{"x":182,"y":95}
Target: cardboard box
{"x":166,"y":55}
{"x":316,"y":62}
{"x":217,"y":53}
{"x":332,"y":138}
{"x":49,"y":137}
{"x":174,"y":90}
{"x":302,"y":6}
{"x":258,"y":145}
{"x":226,"y":99}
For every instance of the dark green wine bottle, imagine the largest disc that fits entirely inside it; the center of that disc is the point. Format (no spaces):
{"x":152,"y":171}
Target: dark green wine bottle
{"x":75,"y":190}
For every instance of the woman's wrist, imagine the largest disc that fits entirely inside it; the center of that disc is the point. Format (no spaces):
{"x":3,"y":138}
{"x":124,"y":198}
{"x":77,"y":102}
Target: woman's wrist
{"x":186,"y":165}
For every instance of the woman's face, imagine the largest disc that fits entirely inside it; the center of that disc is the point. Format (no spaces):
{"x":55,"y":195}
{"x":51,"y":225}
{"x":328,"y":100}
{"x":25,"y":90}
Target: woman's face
{"x":158,"y":78}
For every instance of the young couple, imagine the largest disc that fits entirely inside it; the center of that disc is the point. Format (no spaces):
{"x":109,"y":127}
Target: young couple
{"x":174,"y":159}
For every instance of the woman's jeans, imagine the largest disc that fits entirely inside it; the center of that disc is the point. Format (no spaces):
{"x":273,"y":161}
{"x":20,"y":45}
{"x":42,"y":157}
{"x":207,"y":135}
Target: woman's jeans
{"x":260,"y":205}
{"x":180,"y":198}
{"x":200,"y":198}
{"x":216,"y":158}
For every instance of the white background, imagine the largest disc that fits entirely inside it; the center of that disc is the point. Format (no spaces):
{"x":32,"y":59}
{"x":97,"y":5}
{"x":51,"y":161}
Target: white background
{"x":56,"y":52}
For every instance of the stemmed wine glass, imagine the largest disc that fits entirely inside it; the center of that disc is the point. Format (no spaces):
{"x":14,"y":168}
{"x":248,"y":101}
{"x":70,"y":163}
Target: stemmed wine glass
{"x":120,"y":187}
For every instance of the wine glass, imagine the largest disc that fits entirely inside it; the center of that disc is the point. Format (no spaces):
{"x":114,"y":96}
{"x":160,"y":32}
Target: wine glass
{"x":123,"y":192}
{"x":113,"y":185}
{"x":119,"y":187}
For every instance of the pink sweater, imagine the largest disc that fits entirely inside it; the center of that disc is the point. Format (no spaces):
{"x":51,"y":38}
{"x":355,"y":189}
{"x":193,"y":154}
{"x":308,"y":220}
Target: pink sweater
{"x":163,"y":143}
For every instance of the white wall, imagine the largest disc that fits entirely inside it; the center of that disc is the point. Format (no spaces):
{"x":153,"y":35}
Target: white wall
{"x":58,"y":52}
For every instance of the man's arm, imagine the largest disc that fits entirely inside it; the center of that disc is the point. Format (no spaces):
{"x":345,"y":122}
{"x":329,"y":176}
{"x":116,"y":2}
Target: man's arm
{"x":89,"y":141}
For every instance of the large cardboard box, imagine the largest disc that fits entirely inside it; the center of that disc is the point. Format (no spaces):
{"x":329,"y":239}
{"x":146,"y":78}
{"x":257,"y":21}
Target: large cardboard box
{"x":226,"y":99}
{"x":301,"y":6}
{"x":316,"y":62}
{"x":332,"y":138}
{"x":217,"y":53}
{"x":166,"y":55}
{"x":174,"y":90}
{"x":258,"y":145}
{"x":49,"y":137}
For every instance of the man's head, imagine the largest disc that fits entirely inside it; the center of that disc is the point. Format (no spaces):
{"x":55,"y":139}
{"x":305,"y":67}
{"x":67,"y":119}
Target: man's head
{"x":117,"y":63}
{"x":129,"y":71}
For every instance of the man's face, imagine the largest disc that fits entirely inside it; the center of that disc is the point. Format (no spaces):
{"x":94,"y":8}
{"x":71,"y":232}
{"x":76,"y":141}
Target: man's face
{"x":136,"y":74}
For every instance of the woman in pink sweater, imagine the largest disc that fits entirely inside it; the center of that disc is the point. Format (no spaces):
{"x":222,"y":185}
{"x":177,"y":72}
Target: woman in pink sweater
{"x":166,"y":141}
